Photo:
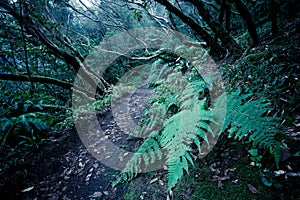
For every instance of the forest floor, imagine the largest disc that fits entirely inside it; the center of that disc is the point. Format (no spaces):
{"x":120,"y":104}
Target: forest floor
{"x":64,"y":169}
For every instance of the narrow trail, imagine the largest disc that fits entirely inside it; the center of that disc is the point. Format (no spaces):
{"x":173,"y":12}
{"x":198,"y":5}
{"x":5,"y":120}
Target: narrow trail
{"x":69,"y":171}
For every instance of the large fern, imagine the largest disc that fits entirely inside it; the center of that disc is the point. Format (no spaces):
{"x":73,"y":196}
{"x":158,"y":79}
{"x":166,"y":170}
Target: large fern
{"x":169,"y":139}
{"x":246,"y":118}
{"x":169,"y":136}
{"x":180,"y":131}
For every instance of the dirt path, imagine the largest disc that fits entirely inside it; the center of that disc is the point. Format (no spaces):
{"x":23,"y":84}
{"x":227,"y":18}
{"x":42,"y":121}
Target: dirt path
{"x":67,"y":170}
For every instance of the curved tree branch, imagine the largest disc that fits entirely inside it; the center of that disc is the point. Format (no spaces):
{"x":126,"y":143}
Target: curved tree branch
{"x":216,"y":27}
{"x":215,"y":47}
{"x":48,"y":80}
{"x":243,"y":10}
{"x":39,"y":79}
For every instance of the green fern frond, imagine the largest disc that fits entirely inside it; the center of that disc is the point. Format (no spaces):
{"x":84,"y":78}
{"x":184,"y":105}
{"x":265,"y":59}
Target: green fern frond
{"x":180,"y":131}
{"x":245,"y":119}
{"x":175,"y":134}
{"x":152,"y":120}
{"x":169,"y":137}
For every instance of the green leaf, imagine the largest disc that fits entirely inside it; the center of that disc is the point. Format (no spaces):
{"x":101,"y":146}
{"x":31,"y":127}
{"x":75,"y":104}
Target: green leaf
{"x":253,"y":152}
{"x":265,"y":181}
{"x":296,"y":154}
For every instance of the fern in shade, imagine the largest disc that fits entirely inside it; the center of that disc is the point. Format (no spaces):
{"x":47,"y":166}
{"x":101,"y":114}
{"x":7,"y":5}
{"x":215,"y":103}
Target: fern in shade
{"x":170,"y":135}
{"x":179,"y":133}
{"x":246,"y":119}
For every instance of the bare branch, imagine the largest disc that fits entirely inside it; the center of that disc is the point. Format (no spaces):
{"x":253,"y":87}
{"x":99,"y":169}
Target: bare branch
{"x":39,"y":79}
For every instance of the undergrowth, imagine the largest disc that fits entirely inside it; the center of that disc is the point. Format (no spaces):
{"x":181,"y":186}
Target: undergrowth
{"x":181,"y":120}
{"x":26,"y":122}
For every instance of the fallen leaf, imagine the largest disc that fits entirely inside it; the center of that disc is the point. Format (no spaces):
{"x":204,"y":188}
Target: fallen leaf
{"x":64,"y":188}
{"x":87,"y":178}
{"x":96,"y":195}
{"x":153,"y":180}
{"x":189,"y":191}
{"x":160,"y":182}
{"x":252,"y":189}
{"x":95,"y":165}
{"x":28,"y":189}
{"x":66,"y":198}
{"x":292,"y":174}
{"x":235,"y":181}
{"x":170,"y":195}
{"x":279,"y":172}
{"x":285,"y":155}
{"x":224,"y":178}
{"x":220,"y":185}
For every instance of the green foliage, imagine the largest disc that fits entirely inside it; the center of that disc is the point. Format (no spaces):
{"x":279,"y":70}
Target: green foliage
{"x":255,"y":158}
{"x":19,"y":137}
{"x":24,"y":133}
{"x":170,"y":136}
{"x":137,"y":15}
{"x":25,"y":122}
{"x":98,"y":105}
{"x":176,"y":114}
{"x":273,"y":81}
{"x":245,"y":118}
{"x":269,"y":70}
{"x":213,"y":185}
{"x":181,"y":130}
{"x":28,"y":122}
{"x":67,"y":122}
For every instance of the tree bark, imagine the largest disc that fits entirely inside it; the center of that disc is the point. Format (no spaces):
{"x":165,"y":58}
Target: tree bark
{"x":216,"y":49}
{"x":225,"y":8}
{"x":228,"y":17}
{"x":39,"y":79}
{"x":273,"y":16}
{"x":227,"y":41}
{"x":243,"y":10}
{"x":222,"y":11}
{"x":25,"y":49}
{"x":47,"y":80}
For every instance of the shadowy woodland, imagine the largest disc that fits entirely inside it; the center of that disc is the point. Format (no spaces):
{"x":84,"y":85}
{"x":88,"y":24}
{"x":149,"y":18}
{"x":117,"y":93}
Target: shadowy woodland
{"x":212,"y":88}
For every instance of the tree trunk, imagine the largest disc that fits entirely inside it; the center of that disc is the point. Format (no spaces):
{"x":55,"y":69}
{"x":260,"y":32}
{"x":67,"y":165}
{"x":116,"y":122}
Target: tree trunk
{"x":243,"y":10}
{"x":227,"y":41}
{"x":216,"y":49}
{"x":228,"y":16}
{"x":225,"y":8}
{"x":222,"y":11}
{"x":273,"y":16}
